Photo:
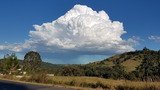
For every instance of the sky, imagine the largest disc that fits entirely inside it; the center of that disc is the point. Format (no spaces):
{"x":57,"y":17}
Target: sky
{"x":78,"y":31}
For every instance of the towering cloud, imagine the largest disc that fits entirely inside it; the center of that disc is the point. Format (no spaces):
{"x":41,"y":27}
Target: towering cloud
{"x":81,"y":31}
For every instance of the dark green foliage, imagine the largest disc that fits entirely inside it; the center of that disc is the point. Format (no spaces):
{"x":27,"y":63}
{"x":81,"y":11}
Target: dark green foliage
{"x":131,"y":76}
{"x":98,"y":71}
{"x":118,"y":72}
{"x":72,"y":70}
{"x":71,"y":83}
{"x":9,"y":64}
{"x":32,"y":62}
{"x":148,"y":68}
{"x":50,"y":68}
{"x":115,"y":72}
{"x":95,"y":85}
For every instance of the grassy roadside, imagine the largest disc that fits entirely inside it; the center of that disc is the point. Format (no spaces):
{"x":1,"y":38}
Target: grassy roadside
{"x":94,"y":82}
{"x":90,"y":83}
{"x":19,"y":80}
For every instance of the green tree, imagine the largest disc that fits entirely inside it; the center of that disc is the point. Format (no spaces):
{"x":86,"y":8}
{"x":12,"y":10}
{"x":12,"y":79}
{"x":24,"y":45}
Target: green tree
{"x":118,"y":71}
{"x":147,"y":69}
{"x":10,"y":63}
{"x":72,"y":71}
{"x":32,"y":62}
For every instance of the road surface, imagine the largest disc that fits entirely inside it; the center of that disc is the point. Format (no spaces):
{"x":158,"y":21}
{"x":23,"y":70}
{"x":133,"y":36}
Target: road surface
{"x":11,"y":85}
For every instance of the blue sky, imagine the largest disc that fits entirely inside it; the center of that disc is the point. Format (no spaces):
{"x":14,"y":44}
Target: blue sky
{"x":140,"y":19}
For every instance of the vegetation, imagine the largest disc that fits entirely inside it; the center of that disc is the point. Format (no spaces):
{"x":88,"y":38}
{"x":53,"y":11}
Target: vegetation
{"x":140,"y":67}
{"x":9,"y":64}
{"x":92,"y":82}
{"x":143,"y":65}
{"x":32,"y":62}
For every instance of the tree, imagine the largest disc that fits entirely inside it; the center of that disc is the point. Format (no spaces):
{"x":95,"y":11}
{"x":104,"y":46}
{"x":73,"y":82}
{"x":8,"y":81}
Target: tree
{"x":32,"y":62}
{"x":10,"y":63}
{"x":147,"y":69}
{"x":145,"y":49}
{"x":72,"y":71}
{"x":118,"y":71}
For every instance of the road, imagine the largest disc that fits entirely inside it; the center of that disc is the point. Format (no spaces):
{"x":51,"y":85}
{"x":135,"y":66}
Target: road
{"x":11,"y":85}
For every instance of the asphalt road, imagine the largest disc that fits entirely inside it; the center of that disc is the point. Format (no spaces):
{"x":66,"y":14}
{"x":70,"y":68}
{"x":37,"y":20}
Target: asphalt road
{"x":11,"y":85}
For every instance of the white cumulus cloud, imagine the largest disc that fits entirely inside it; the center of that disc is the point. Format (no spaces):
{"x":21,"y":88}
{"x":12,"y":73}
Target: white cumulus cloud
{"x":154,"y":38}
{"x":81,"y":30}
{"x":11,"y":47}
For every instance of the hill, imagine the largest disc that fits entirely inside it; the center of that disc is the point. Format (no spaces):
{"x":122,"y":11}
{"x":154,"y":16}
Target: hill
{"x":130,"y":60}
{"x":136,"y":65}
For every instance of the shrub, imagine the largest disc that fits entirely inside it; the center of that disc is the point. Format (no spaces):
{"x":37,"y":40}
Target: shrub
{"x":99,"y":84}
{"x":120,"y":87}
{"x":24,"y":78}
{"x":93,"y":85}
{"x":83,"y":84}
{"x":40,"y":78}
{"x":71,"y":83}
{"x":8,"y":77}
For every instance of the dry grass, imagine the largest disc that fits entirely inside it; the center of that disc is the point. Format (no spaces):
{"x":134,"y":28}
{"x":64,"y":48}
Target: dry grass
{"x":109,"y":63}
{"x":95,"y":82}
{"x":130,"y":65}
{"x":89,"y":83}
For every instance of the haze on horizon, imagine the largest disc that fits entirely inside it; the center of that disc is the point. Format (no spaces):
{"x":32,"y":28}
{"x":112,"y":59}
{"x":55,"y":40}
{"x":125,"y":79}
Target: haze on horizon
{"x":78,"y":32}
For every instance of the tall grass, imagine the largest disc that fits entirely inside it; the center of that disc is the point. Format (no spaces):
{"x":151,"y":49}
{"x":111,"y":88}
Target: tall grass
{"x":93,"y":82}
{"x":38,"y":78}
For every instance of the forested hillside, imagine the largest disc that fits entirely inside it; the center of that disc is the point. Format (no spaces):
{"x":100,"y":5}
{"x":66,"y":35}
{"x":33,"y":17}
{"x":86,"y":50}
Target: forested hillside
{"x":136,"y":65}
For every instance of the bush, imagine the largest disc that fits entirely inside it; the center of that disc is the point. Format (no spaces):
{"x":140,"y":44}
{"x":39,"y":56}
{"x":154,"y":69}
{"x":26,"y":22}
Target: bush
{"x":94,"y":85}
{"x":24,"y":78}
{"x":8,"y":77}
{"x":40,"y":78}
{"x":71,"y":83}
{"x":120,"y":87}
{"x":83,"y":84}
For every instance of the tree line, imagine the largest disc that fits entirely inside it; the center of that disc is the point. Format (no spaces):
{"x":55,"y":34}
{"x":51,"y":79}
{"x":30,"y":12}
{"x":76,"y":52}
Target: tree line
{"x":10,"y":64}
